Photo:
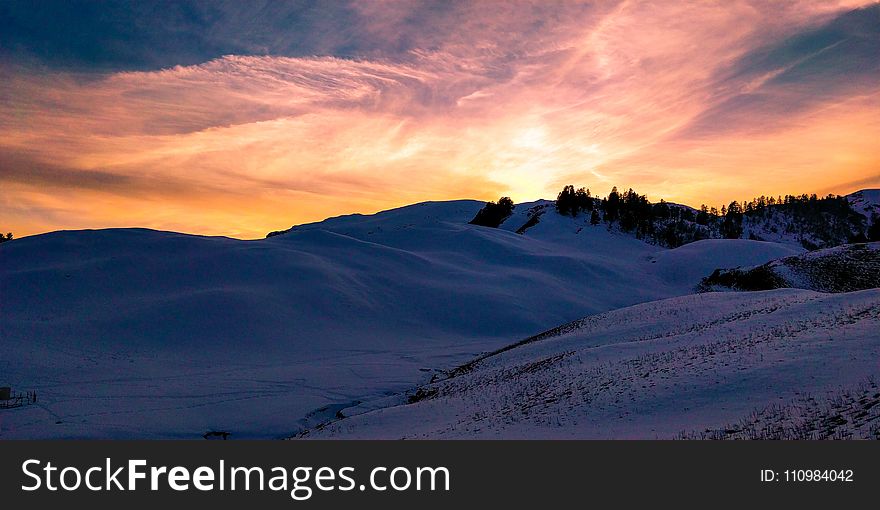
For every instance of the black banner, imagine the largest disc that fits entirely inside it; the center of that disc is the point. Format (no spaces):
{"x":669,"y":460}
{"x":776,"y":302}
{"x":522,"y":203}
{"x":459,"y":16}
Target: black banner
{"x":434,"y":474}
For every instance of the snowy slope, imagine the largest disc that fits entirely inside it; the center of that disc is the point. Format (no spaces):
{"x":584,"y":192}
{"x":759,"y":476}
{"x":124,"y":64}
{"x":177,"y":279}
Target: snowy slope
{"x":691,"y":262}
{"x":659,"y":370}
{"x":139,"y":333}
{"x":866,"y":202}
{"x":840,"y":269}
{"x":779,"y":227}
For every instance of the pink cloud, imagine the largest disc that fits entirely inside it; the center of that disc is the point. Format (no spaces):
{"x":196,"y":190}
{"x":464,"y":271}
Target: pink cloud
{"x":501,"y":98}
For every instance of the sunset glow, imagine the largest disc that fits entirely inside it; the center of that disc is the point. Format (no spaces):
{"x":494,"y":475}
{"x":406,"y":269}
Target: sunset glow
{"x":412,"y":101}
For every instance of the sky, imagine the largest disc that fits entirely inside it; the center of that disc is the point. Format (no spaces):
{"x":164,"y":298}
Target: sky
{"x":238,"y":118}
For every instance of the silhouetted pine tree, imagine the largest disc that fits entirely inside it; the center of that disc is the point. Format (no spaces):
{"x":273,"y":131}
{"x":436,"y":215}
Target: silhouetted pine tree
{"x":731,"y":225}
{"x":566,"y":201}
{"x":873,"y":233}
{"x":492,"y":214}
{"x":612,"y":206}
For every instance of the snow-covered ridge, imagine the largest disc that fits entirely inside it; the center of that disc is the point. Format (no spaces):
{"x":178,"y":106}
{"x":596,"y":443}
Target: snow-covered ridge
{"x":840,"y":269}
{"x":866,"y":202}
{"x":655,"y":370}
{"x":803,"y":222}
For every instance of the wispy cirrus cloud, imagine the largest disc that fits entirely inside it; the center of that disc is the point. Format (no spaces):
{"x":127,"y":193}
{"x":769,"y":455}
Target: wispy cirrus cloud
{"x":690,"y":102}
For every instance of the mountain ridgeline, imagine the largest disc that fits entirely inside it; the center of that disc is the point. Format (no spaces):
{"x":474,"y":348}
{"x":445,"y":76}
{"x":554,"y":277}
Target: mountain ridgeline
{"x":807,"y":220}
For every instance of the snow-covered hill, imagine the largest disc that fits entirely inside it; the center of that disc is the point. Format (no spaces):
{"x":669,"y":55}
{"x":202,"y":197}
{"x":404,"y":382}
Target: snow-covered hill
{"x":840,"y":269}
{"x":809,"y":222}
{"x":866,"y":202}
{"x":813,"y":227}
{"x":139,"y":333}
{"x":783,"y":363}
{"x":696,"y":260}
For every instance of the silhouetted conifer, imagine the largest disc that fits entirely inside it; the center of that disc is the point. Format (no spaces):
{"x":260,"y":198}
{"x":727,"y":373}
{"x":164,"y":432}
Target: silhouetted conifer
{"x":492,"y":214}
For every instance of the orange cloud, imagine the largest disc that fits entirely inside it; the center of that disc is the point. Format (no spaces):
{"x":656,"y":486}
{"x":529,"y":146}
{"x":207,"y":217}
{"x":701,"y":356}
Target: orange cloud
{"x":689,"y":102}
